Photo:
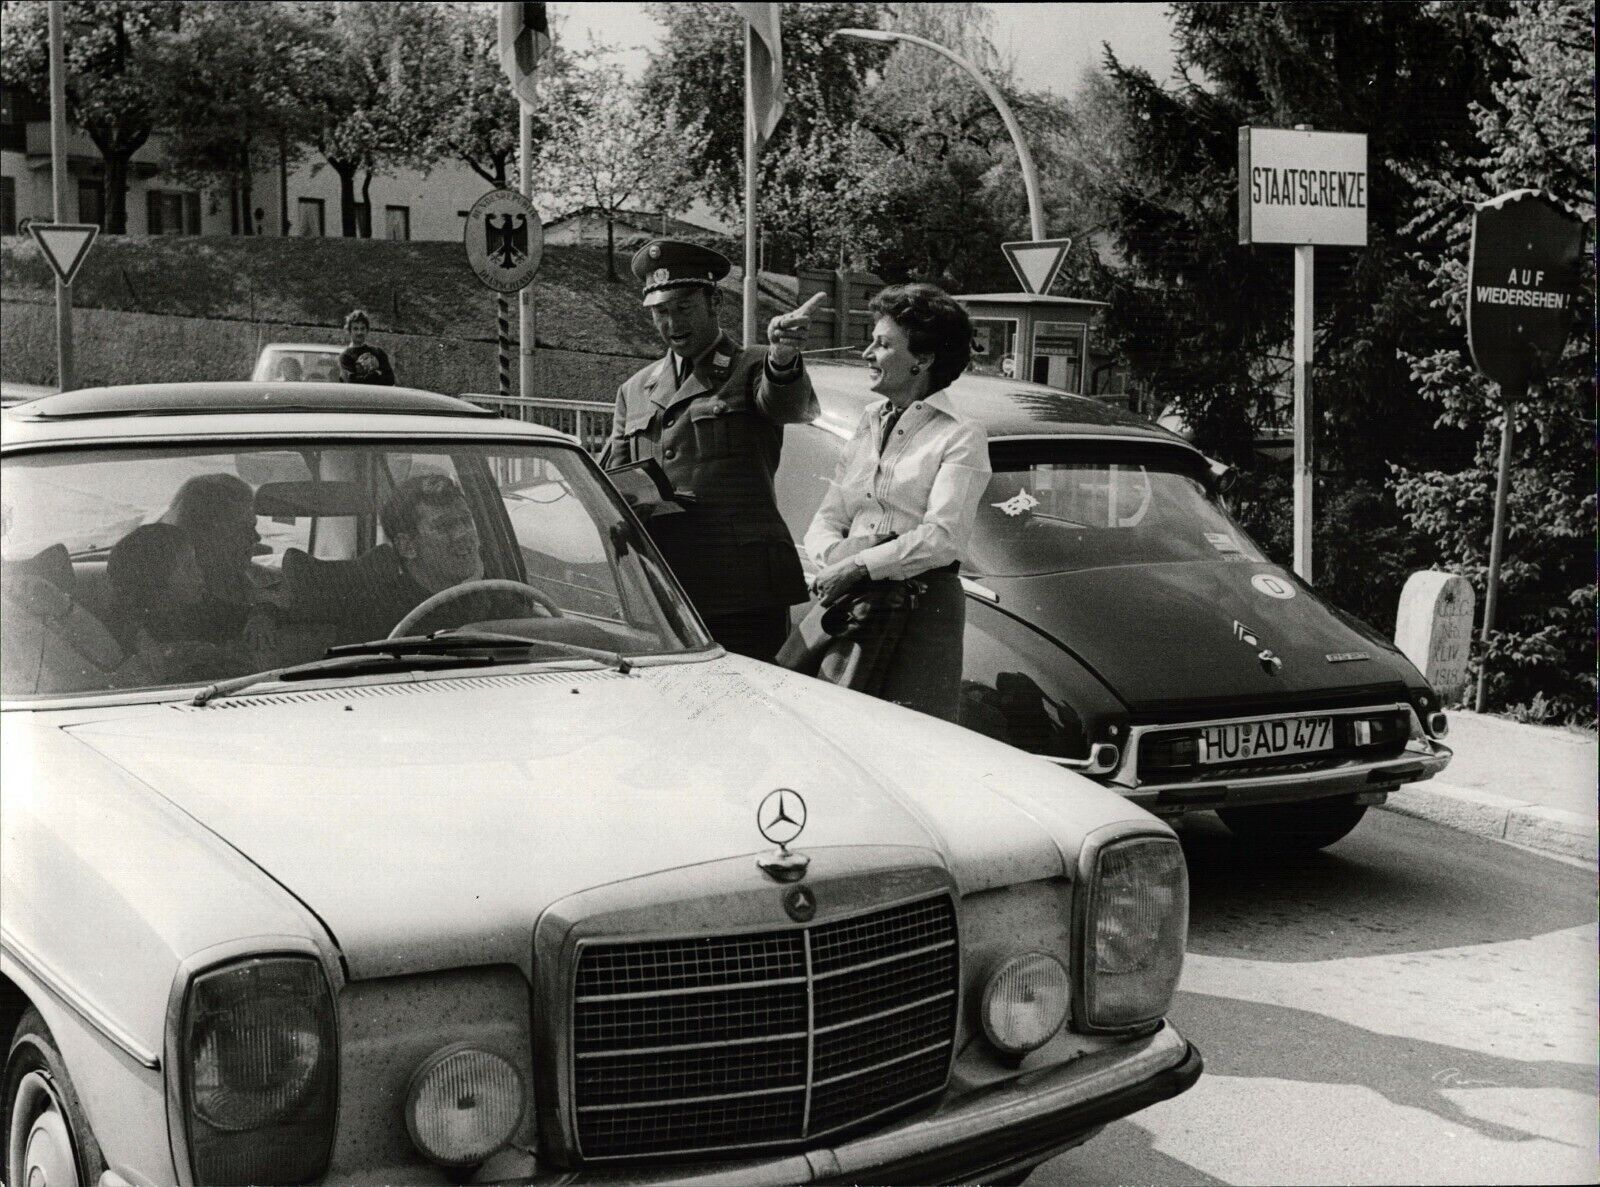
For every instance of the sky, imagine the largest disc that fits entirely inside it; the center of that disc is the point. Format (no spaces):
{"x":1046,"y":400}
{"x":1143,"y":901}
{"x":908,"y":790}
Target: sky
{"x":1052,"y":44}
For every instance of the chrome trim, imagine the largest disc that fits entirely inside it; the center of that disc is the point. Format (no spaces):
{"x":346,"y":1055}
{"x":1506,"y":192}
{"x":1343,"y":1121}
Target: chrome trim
{"x":78,"y":1001}
{"x":1127,"y":773}
{"x":935,"y":889}
{"x":1096,"y":764}
{"x":975,"y":590}
{"x":1082,"y":911}
{"x":205,"y":960}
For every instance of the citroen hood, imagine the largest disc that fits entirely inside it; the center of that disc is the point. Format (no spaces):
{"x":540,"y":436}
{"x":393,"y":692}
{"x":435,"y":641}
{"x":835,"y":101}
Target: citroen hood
{"x":428,"y":823}
{"x":1191,"y":634}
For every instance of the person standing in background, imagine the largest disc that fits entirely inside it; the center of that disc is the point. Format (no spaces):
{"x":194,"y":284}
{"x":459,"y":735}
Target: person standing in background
{"x":361,"y":362}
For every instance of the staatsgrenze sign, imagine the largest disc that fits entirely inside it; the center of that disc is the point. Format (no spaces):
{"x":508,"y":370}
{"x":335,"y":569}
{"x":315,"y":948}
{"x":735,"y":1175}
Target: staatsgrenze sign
{"x":1524,"y":272}
{"x":1303,"y":187}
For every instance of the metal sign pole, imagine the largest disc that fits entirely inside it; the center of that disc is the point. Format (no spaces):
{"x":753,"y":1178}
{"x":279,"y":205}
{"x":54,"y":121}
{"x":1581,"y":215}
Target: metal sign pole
{"x":1496,"y":546}
{"x":527,"y":323}
{"x":502,"y":326}
{"x":1304,"y":461}
{"x":750,"y":276}
{"x":58,"y":179}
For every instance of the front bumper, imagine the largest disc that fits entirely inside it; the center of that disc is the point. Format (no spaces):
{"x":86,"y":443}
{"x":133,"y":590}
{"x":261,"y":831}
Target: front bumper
{"x":975,"y":1132}
{"x":1422,"y":758}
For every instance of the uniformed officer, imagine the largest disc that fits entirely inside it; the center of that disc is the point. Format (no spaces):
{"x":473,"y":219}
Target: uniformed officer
{"x":711,"y":413}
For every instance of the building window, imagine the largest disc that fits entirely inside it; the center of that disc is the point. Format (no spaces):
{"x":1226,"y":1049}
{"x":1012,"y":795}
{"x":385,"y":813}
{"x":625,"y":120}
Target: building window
{"x":1058,"y":349}
{"x":363,"y":213}
{"x":994,"y":341}
{"x":92,"y":202}
{"x":313,"y":219}
{"x":172,"y":212}
{"x":8,"y":206}
{"x":397,"y":222}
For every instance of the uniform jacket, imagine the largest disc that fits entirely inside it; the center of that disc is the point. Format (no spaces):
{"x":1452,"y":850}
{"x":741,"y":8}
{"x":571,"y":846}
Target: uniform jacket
{"x":718,"y":438}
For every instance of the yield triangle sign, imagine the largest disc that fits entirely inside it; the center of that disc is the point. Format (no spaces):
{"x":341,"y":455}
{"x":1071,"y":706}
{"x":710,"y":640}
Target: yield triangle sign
{"x":1036,"y":261}
{"x":65,"y":245}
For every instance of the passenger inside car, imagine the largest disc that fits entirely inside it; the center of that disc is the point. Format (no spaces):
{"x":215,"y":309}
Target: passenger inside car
{"x":162,"y":612}
{"x":432,"y":546}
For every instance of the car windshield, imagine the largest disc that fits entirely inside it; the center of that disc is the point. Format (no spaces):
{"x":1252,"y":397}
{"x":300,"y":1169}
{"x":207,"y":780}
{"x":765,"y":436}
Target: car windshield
{"x":180,"y":565}
{"x":1058,"y":507}
{"x":286,"y":363}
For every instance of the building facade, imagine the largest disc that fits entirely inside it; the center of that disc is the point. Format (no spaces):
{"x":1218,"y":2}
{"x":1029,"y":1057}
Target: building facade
{"x":405,"y":204}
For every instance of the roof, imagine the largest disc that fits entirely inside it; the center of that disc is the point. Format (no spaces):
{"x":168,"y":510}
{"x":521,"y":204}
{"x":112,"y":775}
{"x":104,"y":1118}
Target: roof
{"x":645,"y":220}
{"x":1027,"y":299}
{"x":1004,"y":407}
{"x":178,"y":399}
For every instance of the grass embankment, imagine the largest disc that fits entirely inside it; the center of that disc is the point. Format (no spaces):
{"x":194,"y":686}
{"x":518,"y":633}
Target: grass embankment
{"x":406,"y":288}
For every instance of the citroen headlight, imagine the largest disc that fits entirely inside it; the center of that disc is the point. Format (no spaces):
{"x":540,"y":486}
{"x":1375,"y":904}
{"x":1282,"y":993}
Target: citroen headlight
{"x":1136,"y":925}
{"x":1025,"y":1002}
{"x":463,"y":1105}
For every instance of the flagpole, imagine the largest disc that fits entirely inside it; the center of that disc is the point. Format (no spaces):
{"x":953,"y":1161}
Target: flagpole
{"x":750,"y":263}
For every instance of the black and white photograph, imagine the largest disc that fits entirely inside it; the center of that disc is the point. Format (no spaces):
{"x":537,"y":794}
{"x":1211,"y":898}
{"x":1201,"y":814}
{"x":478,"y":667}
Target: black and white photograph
{"x":783,"y":593}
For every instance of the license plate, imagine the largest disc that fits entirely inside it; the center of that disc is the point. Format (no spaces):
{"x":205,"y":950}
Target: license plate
{"x":1265,"y":739}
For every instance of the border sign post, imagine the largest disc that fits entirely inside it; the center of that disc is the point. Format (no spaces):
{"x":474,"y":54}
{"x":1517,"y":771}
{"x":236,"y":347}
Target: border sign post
{"x":505,"y":242}
{"x":1522,"y":280}
{"x":58,"y":184}
{"x":1303,"y":188}
{"x":1037,"y":262}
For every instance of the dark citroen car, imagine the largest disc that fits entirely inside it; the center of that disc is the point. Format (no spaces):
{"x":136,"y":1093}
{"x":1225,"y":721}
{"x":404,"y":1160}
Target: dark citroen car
{"x":1120,"y":622}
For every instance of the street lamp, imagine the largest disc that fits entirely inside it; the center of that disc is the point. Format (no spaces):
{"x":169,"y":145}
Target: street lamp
{"x":1030,"y":177}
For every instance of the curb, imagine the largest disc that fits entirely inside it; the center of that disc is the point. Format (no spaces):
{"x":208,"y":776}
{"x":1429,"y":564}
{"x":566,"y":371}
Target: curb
{"x":1549,"y":830}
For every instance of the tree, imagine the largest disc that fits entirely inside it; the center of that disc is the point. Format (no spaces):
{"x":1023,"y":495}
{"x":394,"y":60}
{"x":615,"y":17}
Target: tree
{"x":240,"y":75}
{"x":1206,"y":320}
{"x":111,"y":90}
{"x":386,"y":88}
{"x":696,"y":79}
{"x":614,"y":149}
{"x":478,"y":120}
{"x":1535,"y":130}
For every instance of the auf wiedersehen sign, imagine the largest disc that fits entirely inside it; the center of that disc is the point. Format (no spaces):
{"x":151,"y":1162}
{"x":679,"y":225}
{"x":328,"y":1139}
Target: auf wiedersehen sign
{"x":1303,"y":187}
{"x":504,"y":240}
{"x":1523,"y":276}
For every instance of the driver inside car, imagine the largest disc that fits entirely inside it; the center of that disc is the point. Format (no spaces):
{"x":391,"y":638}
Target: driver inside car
{"x":432,"y":546}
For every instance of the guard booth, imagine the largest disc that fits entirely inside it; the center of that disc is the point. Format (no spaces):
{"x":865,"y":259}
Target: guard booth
{"x":1019,"y":335}
{"x":1034,"y":336}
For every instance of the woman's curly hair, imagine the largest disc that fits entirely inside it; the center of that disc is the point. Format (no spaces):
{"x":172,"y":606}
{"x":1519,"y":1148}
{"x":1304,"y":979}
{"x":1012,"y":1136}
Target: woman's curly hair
{"x":935,"y":323}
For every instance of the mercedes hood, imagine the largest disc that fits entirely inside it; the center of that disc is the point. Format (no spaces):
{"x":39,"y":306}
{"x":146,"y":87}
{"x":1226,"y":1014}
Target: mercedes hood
{"x":428,"y":823}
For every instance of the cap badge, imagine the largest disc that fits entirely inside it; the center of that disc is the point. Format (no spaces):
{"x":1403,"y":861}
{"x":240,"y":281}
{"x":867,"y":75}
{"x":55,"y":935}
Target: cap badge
{"x":655,"y":251}
{"x":660,"y":275}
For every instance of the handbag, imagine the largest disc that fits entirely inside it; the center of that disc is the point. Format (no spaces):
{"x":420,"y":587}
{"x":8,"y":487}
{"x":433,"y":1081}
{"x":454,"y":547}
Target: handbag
{"x":852,"y":641}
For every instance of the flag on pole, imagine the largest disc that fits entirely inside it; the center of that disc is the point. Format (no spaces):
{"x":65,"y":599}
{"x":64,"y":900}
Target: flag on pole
{"x":766,"y":68}
{"x":524,"y":39}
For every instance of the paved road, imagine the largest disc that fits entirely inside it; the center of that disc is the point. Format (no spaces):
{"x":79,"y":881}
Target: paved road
{"x":1415,"y":1005}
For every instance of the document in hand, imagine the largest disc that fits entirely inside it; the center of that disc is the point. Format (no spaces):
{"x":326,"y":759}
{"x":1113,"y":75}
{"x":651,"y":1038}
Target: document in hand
{"x":647,"y":489}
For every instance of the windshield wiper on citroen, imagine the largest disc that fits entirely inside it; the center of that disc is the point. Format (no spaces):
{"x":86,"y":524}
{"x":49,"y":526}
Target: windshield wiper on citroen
{"x":446,"y":649}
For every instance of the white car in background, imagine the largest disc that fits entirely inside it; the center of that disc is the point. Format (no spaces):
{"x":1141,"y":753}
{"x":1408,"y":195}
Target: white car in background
{"x":318,"y":362}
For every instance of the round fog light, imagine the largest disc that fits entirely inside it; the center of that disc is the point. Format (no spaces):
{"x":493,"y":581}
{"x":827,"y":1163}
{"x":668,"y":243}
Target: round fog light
{"x":463,"y":1105}
{"x":1438,"y":724}
{"x":1025,"y":1002}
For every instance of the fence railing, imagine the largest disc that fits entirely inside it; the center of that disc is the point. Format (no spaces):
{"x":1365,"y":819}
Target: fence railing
{"x":587,"y":420}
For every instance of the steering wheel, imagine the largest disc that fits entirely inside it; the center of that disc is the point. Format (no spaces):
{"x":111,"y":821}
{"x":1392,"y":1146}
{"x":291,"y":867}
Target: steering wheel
{"x":483,"y":585}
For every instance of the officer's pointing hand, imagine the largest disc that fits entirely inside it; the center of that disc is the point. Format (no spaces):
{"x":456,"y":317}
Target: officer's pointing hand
{"x":787,"y":332}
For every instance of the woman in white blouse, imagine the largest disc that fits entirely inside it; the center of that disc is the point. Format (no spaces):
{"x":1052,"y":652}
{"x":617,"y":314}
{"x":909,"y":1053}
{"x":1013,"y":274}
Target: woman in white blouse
{"x":906,"y":491}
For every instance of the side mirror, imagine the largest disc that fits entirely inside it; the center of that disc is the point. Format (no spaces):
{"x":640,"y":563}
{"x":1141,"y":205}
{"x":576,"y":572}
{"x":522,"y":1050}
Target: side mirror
{"x":1223,"y":476}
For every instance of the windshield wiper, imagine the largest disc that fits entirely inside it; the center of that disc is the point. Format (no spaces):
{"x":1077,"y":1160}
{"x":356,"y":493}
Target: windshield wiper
{"x":451,"y":642}
{"x":446,"y":649}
